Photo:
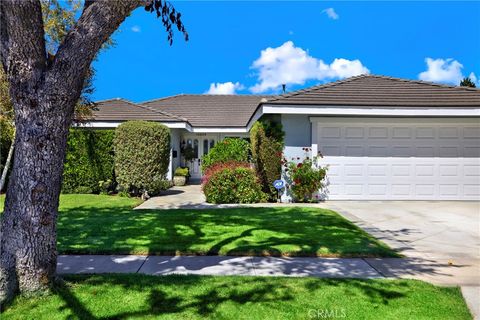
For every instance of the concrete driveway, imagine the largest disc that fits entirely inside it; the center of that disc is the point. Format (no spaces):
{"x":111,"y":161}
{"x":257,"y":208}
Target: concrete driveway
{"x":433,"y":229}
{"x":440,"y":240}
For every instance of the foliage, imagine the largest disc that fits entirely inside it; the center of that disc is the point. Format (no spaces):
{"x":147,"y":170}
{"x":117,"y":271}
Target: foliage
{"x":233,"y":185}
{"x":89,"y":160}
{"x":273,"y":129}
{"x":182,"y":172}
{"x":107,"y":187}
{"x":7,"y":128}
{"x":188,"y":153}
{"x":467,"y":82}
{"x":266,"y":155}
{"x":229,"y":149}
{"x":169,"y":17}
{"x":304,"y":178}
{"x":207,"y":174}
{"x":142,"y":155}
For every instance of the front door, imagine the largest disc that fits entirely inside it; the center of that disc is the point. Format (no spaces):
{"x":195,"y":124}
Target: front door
{"x":201,"y":146}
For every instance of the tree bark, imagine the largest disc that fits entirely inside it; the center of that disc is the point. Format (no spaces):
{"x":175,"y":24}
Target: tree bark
{"x":43,"y":95}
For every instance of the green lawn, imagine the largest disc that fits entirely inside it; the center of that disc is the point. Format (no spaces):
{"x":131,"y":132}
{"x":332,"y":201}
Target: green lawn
{"x":93,"y":224}
{"x":199,"y":297}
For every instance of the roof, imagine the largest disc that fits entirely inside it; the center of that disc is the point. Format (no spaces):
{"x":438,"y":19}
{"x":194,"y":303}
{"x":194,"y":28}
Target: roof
{"x":123,"y":110}
{"x":374,"y":90}
{"x":203,"y":110}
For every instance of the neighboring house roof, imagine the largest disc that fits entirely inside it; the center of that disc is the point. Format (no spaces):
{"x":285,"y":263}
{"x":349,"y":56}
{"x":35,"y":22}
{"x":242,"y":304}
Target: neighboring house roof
{"x":373,"y":90}
{"x":123,"y":110}
{"x":203,"y":110}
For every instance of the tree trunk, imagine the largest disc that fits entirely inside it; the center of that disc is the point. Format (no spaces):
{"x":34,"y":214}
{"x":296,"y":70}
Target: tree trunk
{"x":28,"y":258}
{"x":43,"y":94}
{"x":7,"y":164}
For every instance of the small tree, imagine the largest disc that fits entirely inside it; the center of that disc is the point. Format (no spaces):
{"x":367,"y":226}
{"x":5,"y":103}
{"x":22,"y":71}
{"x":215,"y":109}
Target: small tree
{"x":467,"y":82}
{"x":266,"y":154}
{"x":142,"y":155}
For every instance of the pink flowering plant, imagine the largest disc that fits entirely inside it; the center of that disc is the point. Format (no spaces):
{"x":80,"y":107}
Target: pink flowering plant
{"x":304,"y":177}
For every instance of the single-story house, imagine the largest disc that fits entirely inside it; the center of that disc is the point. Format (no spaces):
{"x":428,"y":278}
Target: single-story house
{"x":383,"y":138}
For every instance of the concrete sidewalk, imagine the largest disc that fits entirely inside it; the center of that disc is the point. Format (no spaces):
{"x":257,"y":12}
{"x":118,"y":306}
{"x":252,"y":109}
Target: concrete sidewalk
{"x":217,"y":265}
{"x":434,"y":271}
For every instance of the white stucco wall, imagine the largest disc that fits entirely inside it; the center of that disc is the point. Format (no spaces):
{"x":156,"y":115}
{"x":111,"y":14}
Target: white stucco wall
{"x":174,"y":146}
{"x":298,"y":135}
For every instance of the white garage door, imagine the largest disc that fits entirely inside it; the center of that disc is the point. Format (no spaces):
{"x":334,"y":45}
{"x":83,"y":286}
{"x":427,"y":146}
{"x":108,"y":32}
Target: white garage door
{"x":409,"y":159}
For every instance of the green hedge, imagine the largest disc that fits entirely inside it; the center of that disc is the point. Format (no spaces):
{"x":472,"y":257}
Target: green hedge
{"x":229,"y":149}
{"x":142,"y":156}
{"x":267,"y":155}
{"x":89,"y":160}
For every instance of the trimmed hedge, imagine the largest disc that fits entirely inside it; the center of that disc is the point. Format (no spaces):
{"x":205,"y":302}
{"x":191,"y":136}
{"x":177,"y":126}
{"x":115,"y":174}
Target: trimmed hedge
{"x":232,"y":184}
{"x":142,"y":156}
{"x":89,"y":160}
{"x":267,"y":156}
{"x":229,"y":149}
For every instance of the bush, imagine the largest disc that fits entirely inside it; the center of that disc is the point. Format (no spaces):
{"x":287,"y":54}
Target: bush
{"x":229,"y":149}
{"x":304,"y":178}
{"x":267,"y":155}
{"x":142,"y":155}
{"x":182,"y":172}
{"x":232,"y":184}
{"x":89,"y":160}
{"x":207,"y":174}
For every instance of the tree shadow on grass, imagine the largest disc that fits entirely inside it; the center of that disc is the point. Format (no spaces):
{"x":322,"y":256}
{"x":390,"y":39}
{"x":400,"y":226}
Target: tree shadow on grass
{"x":237,"y":231}
{"x":171,"y":294}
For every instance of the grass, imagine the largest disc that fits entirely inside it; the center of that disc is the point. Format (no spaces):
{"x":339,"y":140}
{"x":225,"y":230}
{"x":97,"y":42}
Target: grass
{"x":95,"y":224}
{"x":198,"y":297}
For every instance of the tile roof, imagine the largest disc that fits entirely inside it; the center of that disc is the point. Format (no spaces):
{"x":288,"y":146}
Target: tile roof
{"x":374,"y":90}
{"x":200,"y":110}
{"x":203,"y":110}
{"x":123,"y":110}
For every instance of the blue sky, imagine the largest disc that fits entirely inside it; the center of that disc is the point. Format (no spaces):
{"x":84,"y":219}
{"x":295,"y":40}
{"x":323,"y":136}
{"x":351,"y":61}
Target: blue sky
{"x":253,"y":47}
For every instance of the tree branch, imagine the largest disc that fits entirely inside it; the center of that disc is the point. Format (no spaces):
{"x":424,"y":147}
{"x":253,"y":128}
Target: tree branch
{"x":22,"y":41}
{"x":96,"y":24}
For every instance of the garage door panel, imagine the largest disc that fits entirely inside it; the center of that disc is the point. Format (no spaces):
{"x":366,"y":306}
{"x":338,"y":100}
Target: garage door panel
{"x":402,"y":159}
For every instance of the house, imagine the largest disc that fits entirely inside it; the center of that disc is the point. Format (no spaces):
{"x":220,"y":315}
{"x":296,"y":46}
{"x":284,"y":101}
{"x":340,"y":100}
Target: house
{"x":383,"y":138}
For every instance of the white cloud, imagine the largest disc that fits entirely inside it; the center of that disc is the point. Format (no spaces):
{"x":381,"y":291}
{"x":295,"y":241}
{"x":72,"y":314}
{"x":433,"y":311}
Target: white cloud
{"x":330,"y":12}
{"x":224,"y":88}
{"x":136,"y":29}
{"x":442,"y":70}
{"x":288,"y":64}
{"x":474,"y":78}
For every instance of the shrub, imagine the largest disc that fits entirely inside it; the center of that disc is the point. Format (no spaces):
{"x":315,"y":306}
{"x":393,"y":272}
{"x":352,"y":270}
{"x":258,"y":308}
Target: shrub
{"x":89,"y":160}
{"x":182,"y":172}
{"x":304,"y":178}
{"x":207,"y":174}
{"x":229,"y":149}
{"x":233,"y":185}
{"x":142,"y":155}
{"x":266,"y":156}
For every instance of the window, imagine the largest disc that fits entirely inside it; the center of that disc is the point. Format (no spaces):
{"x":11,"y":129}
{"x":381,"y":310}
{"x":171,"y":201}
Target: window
{"x":212,"y":143}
